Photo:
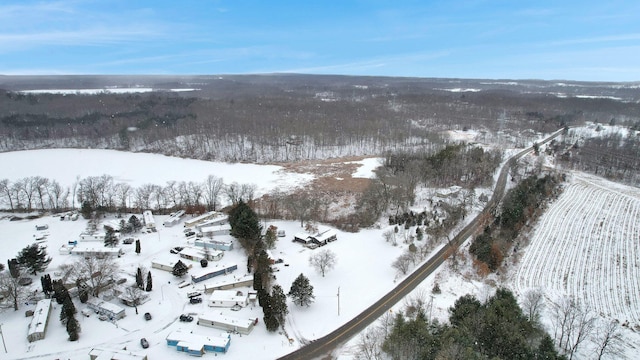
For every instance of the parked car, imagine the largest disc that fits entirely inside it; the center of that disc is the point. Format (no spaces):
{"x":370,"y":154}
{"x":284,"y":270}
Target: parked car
{"x":194,"y":294}
{"x":144,"y":343}
{"x":186,"y":318}
{"x":147,"y":316}
{"x":178,"y":248}
{"x":236,"y":307}
{"x":190,"y":233}
{"x":128,"y":241}
{"x":281,"y":233}
{"x":103,"y":317}
{"x":195,"y":300}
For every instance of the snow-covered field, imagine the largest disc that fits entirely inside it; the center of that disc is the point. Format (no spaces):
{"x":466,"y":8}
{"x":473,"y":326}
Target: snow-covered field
{"x":137,"y":169}
{"x":586,"y":246}
{"x":362,"y":275}
{"x":361,"y":257}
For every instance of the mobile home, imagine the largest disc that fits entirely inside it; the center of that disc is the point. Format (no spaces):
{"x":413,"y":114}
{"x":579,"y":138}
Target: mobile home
{"x":40,"y":320}
{"x":219,"y":344}
{"x":210,"y":272}
{"x":228,"y":298}
{"x":228,"y":323}
{"x":149,"y":221}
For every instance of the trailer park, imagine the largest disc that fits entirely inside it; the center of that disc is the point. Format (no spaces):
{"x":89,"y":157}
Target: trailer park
{"x":219,"y":298}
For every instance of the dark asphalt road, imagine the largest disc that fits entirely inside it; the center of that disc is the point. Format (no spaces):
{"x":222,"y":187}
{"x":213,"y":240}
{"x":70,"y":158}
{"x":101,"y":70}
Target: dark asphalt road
{"x":323,"y":347}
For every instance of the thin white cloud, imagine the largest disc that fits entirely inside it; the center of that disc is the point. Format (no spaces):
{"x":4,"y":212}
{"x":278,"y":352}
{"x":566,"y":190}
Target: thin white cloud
{"x":84,"y":37}
{"x":599,"y":39}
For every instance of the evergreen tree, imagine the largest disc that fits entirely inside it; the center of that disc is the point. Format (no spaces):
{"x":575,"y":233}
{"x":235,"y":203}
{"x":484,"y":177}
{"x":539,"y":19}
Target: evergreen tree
{"x":83,"y":294}
{"x":47,"y":286}
{"x":110,"y":238}
{"x":86,"y":210}
{"x":279,"y":304}
{"x":138,"y":246}
{"x":179,"y":269}
{"x":34,"y":257}
{"x":245,"y":225}
{"x":135,"y":223}
{"x":60,"y":292}
{"x":73,"y":328}
{"x":270,"y":237}
{"x":126,"y":227}
{"x":14,"y":268}
{"x":68,"y":309}
{"x":301,"y":291}
{"x":270,"y":319}
{"x":139,"y":280}
{"x":149,"y":282}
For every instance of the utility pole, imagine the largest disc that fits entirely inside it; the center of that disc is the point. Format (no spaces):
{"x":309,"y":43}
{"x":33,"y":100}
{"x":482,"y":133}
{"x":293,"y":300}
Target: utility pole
{"x":338,"y":300}
{"x":3,"y":343}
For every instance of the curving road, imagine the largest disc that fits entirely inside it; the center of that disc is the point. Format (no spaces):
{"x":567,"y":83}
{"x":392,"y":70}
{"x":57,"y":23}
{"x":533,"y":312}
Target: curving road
{"x":324,"y":346}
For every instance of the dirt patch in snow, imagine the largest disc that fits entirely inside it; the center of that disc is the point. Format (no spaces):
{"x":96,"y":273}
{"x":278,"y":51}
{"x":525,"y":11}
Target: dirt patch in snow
{"x":332,"y":175}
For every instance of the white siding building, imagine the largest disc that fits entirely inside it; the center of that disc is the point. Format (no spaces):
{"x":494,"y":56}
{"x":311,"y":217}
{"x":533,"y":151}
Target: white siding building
{"x":228,"y":323}
{"x":149,"y":221}
{"x":228,"y":298}
{"x":38,"y":325}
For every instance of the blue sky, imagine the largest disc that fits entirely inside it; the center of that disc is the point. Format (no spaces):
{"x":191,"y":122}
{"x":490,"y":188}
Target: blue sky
{"x":511,"y":39}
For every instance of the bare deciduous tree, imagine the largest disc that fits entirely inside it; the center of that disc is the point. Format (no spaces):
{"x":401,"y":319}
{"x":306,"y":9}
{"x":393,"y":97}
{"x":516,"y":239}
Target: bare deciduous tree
{"x":135,"y":295}
{"x":368,"y":345}
{"x":533,"y":304}
{"x":608,"y":340}
{"x":95,"y":272}
{"x":11,"y":290}
{"x":572,"y":325}
{"x":323,"y":261}
{"x":212,"y":187}
{"x":402,"y":263}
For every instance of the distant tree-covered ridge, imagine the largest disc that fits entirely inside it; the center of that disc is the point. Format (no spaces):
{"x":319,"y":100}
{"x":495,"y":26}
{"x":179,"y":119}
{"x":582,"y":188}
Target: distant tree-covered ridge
{"x":290,"y":117}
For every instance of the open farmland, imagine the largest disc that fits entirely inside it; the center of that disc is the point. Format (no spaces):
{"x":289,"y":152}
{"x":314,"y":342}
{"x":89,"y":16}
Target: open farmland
{"x":586,"y":246}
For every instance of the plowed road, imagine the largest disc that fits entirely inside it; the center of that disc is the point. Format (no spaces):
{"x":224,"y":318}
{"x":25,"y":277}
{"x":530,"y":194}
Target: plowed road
{"x":324,"y":346}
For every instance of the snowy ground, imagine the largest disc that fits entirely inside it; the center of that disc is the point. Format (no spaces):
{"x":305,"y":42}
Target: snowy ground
{"x":362,"y":275}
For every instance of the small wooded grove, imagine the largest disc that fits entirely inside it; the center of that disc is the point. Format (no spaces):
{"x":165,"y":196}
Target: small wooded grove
{"x":495,"y":329}
{"x":522,"y":204}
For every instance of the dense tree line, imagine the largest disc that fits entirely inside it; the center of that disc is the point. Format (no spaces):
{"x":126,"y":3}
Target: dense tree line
{"x":612,"y":156}
{"x":103,"y":193}
{"x":284,"y":118}
{"x":496,"y":329}
{"x":522,"y":204}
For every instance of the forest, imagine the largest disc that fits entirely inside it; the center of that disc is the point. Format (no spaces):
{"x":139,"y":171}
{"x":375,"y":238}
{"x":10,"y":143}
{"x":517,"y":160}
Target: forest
{"x":281,"y":118}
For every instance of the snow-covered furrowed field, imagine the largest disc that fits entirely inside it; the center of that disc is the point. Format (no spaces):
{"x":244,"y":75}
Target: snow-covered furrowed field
{"x":587,"y":247}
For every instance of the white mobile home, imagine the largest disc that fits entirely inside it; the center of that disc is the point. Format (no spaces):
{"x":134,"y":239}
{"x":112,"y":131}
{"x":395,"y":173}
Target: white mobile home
{"x":99,"y":252}
{"x":197,"y":254}
{"x":213,"y":271}
{"x":105,"y":308}
{"x":38,"y":325}
{"x":112,"y":354}
{"x":166,"y":265}
{"x":174,"y":218}
{"x":149,"y":221}
{"x":211,"y":215}
{"x":228,"y":323}
{"x":215,"y":230}
{"x":226,"y":284}
{"x":225,"y":245}
{"x":228,"y":298}
{"x":92,"y":236}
